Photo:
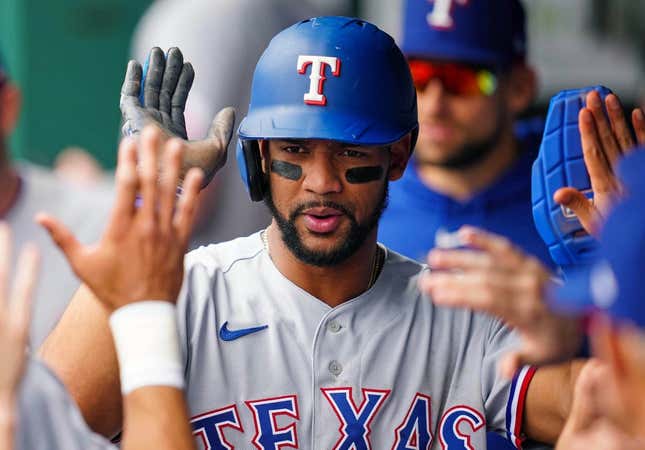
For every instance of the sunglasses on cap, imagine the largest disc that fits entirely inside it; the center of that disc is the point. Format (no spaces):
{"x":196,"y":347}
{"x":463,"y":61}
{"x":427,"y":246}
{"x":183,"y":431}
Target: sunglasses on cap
{"x":456,"y":78}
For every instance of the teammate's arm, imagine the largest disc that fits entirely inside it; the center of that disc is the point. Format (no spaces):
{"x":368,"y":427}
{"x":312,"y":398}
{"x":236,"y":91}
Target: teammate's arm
{"x":136,"y":270}
{"x":15,"y":314}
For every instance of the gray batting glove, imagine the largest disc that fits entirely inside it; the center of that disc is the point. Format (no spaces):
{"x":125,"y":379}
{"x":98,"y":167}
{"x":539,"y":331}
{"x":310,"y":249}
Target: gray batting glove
{"x":167,"y":84}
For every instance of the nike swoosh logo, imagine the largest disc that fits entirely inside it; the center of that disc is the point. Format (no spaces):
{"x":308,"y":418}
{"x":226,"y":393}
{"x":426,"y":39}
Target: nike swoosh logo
{"x":231,"y":335}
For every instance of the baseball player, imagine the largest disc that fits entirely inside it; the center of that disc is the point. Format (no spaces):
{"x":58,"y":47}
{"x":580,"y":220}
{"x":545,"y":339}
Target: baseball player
{"x":40,"y":413}
{"x":308,"y":334}
{"x":472,"y":162}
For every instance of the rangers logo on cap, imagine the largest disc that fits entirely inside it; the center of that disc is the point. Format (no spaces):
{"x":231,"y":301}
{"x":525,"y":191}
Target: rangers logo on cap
{"x":318,"y":64}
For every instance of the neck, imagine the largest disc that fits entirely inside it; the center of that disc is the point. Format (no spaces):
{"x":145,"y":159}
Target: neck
{"x":9,"y":185}
{"x":333,"y":285}
{"x":462,"y":184}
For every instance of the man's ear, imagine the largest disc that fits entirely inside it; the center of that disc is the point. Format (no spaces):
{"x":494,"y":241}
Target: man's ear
{"x":10,"y":103}
{"x":521,"y":88}
{"x":400,"y":153}
{"x":263,"y":145}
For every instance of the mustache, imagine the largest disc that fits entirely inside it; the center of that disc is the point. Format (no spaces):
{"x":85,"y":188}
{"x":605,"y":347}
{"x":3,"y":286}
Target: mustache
{"x":320,"y":204}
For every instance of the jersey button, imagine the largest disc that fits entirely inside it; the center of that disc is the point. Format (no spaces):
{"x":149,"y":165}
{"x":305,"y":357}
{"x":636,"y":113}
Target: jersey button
{"x":335,"y":368}
{"x":334,"y":326}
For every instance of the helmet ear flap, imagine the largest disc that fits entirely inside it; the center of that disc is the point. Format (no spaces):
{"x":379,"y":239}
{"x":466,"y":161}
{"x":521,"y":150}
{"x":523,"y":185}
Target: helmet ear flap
{"x":250,"y":165}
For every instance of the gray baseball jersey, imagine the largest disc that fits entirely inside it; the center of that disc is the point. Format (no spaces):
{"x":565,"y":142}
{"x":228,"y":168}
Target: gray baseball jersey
{"x":268,"y":366}
{"x":84,"y":211}
{"x":48,"y":417}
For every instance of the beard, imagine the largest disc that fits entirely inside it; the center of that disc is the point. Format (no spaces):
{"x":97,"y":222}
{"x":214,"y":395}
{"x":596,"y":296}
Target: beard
{"x":355,"y":238}
{"x":471,"y":153}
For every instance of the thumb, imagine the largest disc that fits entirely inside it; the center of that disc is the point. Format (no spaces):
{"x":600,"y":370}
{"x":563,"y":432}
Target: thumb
{"x":581,"y":206}
{"x":210,"y":154}
{"x":62,"y":237}
{"x":222,"y":126}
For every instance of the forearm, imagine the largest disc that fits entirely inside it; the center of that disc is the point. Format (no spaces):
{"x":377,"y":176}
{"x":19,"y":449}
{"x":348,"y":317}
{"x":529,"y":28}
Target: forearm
{"x":81,"y":352}
{"x":156,"y":417}
{"x":7,"y":420}
{"x":549,"y":399}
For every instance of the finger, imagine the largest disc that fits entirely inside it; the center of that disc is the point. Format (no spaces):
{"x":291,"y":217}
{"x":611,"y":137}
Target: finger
{"x":638,"y":121}
{"x":484,"y":292}
{"x":600,"y":172}
{"x":23,"y":289}
{"x":174,"y":64}
{"x":619,"y":123}
{"x":460,"y":260}
{"x":581,"y":206}
{"x":126,"y":182}
{"x":583,"y":411}
{"x":510,"y":364}
{"x":62,"y":237}
{"x":609,"y":144}
{"x":132,"y":83}
{"x":178,"y":102}
{"x":497,"y":246}
{"x":187,"y":205}
{"x":5,"y":261}
{"x":153,"y":77}
{"x":148,"y":169}
{"x":169,"y":182}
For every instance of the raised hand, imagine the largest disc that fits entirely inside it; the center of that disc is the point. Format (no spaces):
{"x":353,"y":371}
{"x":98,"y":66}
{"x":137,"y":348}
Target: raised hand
{"x":588,"y":426}
{"x":494,"y":277}
{"x":167,"y":83}
{"x":603,"y":143}
{"x":15,"y":313}
{"x":140,"y":255}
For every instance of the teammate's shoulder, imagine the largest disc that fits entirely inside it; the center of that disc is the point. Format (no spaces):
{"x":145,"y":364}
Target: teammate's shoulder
{"x":225,"y":255}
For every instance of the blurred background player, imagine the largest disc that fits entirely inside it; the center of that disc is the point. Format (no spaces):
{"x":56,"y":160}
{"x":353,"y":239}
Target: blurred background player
{"x":224,"y":39}
{"x":472,"y":162}
{"x":27,"y":189}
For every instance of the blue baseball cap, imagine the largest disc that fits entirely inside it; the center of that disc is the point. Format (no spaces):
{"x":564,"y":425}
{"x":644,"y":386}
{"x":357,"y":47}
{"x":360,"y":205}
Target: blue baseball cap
{"x":489,"y":32}
{"x":613,"y":283}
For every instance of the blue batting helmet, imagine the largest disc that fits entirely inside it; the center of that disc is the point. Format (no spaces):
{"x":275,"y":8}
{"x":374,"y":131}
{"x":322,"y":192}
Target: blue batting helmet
{"x":334,"y":78}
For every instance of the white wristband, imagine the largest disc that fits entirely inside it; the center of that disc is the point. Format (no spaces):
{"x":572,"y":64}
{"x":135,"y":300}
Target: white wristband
{"x":147,"y":345}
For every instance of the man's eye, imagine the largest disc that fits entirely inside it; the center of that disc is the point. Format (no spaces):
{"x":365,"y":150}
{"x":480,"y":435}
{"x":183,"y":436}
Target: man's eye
{"x":353,"y":153}
{"x":292,"y":149}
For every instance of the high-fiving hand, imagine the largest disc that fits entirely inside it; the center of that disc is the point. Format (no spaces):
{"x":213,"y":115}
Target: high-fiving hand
{"x":168,"y":80}
{"x":140,"y":255}
{"x":495,"y":277}
{"x":603,"y":143}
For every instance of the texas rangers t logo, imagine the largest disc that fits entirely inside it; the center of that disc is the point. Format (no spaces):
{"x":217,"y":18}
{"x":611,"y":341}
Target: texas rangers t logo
{"x":440,"y":16}
{"x":317,"y":78}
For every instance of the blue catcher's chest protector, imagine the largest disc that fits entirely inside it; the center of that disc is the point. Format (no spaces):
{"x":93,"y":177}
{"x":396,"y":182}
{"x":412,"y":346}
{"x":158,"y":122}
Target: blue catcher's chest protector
{"x":560,"y":163}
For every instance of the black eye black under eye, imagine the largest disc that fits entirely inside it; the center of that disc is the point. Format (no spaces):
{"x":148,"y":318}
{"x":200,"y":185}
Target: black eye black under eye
{"x":286,"y":170}
{"x":358,"y":175}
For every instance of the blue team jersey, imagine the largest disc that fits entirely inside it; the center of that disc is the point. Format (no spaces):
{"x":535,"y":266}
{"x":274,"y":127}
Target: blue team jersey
{"x":415,"y":212}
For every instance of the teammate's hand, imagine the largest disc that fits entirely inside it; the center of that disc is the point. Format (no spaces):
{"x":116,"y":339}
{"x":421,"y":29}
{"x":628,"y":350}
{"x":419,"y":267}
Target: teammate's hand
{"x":15,"y":312}
{"x":587,"y":426}
{"x":603,"y":143}
{"x":497,"y":278}
{"x":167,"y":84}
{"x":141,"y":253}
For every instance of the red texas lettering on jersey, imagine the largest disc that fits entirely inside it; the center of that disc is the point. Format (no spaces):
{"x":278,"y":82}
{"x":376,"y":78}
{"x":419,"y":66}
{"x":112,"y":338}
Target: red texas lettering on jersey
{"x":413,"y":433}
{"x":317,"y":78}
{"x":441,"y":17}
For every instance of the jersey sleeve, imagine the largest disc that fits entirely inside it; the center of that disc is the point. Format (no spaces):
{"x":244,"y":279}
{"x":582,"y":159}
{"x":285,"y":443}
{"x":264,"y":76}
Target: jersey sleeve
{"x":504,"y":399}
{"x":49,"y":418}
